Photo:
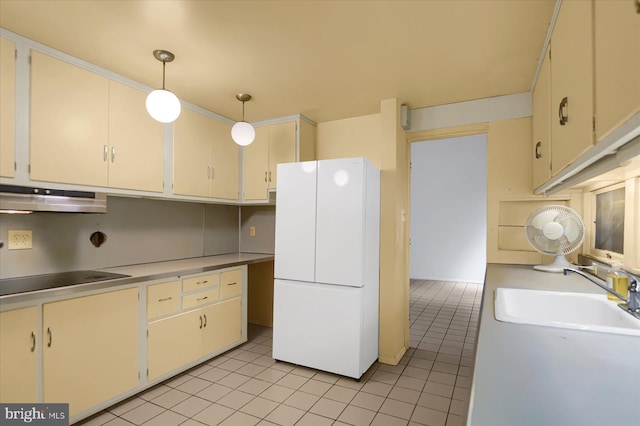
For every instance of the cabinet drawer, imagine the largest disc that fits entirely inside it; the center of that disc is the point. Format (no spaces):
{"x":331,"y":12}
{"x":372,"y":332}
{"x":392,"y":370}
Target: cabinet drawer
{"x":200,"y":282}
{"x":163,"y":299}
{"x":230,"y":283}
{"x":200,"y":298}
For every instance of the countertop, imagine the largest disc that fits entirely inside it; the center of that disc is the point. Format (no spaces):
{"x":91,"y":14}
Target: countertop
{"x":544,"y":376}
{"x":145,"y":272}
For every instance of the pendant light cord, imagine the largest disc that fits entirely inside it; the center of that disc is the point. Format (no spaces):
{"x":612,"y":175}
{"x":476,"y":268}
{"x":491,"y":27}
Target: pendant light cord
{"x":164,"y":64}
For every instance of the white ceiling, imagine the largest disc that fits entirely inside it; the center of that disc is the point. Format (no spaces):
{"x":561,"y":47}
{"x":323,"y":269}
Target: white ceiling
{"x":325,"y":59}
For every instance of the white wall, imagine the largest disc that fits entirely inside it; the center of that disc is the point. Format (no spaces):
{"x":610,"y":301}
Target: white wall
{"x":449,"y":209}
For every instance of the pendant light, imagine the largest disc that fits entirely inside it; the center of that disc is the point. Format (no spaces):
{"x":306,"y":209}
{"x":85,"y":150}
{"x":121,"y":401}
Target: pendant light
{"x":242,"y":132}
{"x":163,"y":105}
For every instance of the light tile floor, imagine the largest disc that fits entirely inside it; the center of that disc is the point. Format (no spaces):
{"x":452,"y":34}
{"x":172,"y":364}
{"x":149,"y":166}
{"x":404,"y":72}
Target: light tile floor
{"x":245,"y":386}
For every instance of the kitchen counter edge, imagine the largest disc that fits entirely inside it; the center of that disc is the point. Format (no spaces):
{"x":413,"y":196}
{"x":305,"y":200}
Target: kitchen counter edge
{"x":144,"y":272}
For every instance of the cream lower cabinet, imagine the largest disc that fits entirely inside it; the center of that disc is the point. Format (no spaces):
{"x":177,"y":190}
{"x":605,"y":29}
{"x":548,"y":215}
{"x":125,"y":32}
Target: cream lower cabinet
{"x":90,"y":348}
{"x":176,"y":341}
{"x":19,"y":348}
{"x":211,"y":320}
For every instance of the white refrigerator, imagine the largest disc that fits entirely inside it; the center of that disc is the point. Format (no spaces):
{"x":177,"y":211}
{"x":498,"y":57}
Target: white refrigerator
{"x":327,"y":255}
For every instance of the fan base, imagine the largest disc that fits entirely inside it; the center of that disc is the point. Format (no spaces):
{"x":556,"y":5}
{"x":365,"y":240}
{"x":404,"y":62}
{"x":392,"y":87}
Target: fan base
{"x":558,"y":265}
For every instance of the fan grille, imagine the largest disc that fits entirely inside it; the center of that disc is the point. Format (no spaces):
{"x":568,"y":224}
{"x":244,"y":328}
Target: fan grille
{"x":541,"y":224}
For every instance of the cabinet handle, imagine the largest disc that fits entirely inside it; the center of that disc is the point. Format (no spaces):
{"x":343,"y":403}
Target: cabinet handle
{"x":33,"y":342}
{"x":637,"y":6}
{"x":233,"y":283}
{"x":208,"y":172}
{"x":165,"y":299}
{"x":50,"y":337}
{"x":265,"y":176}
{"x":205,"y":320}
{"x":538,"y":154}
{"x":202,"y":282}
{"x":269,"y":175}
{"x":200,"y":321}
{"x":113,"y":154}
{"x":105,"y":153}
{"x":202,"y":298}
{"x":563,"y":111}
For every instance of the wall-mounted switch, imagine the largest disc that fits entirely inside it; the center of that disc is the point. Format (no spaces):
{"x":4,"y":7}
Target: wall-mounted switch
{"x":252,"y":231}
{"x":19,"y":239}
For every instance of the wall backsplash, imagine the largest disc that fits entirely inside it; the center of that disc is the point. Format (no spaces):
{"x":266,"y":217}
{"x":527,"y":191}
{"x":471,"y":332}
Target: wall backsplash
{"x":263,"y":218}
{"x":138,"y":231}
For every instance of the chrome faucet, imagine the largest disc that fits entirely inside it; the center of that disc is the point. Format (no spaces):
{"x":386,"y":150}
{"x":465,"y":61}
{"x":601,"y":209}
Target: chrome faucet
{"x":631,"y":304}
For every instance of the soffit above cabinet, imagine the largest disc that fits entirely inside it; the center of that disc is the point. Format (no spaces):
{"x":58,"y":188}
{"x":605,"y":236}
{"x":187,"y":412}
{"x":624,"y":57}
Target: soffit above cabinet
{"x":302,"y":57}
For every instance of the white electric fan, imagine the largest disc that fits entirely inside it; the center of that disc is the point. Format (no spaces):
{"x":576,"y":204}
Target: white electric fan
{"x":555,"y":231}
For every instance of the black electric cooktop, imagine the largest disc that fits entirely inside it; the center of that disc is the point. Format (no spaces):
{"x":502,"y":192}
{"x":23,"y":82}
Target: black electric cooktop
{"x":47,"y":281}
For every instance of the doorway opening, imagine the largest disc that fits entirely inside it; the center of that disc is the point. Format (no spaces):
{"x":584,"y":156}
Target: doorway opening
{"x":449,"y":209}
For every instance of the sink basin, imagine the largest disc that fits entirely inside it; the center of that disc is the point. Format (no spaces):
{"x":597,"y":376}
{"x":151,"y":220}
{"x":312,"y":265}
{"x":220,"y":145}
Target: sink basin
{"x":590,"y":312}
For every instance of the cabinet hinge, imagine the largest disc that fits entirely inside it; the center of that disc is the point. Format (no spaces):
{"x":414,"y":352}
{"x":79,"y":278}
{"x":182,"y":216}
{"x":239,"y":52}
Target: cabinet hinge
{"x":138,"y":375}
{"x":15,"y":53}
{"x":594,"y":123}
{"x":29,"y":168}
{"x":15,"y":165}
{"x":147,"y":372}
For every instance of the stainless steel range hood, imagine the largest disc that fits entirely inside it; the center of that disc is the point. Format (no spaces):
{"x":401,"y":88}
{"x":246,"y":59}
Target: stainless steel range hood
{"x":22,"y":199}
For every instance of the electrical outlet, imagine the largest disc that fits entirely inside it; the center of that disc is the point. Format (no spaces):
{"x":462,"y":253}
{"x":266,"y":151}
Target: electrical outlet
{"x":19,"y":239}
{"x":252,"y":231}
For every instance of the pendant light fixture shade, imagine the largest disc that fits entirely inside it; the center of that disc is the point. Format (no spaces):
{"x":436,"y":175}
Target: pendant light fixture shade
{"x":242,"y":132}
{"x":163,"y":105}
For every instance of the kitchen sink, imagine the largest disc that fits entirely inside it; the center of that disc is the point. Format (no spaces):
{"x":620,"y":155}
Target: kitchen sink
{"x":579,"y":311}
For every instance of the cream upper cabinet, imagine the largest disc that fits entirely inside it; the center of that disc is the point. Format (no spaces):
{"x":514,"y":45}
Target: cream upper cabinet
{"x":205,"y":158}
{"x":19,"y":347}
{"x":571,"y":84}
{"x":542,"y":125}
{"x":7,"y":107}
{"x":274,"y":144}
{"x":136,"y":142}
{"x":68,"y":124}
{"x":225,"y":162}
{"x":86,"y":129}
{"x":90,"y":348}
{"x":191,"y":154}
{"x":617,"y":64}
{"x":255,"y":159}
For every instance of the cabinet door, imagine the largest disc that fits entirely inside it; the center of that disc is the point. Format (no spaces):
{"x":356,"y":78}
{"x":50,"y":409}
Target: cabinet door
{"x":191,"y":154}
{"x":225,"y":161}
{"x":542,"y":125}
{"x":90,"y":351}
{"x":282,"y":148}
{"x":173,"y":342}
{"x":136,"y":141}
{"x":68,"y":123}
{"x":223,"y":325}
{"x":255,"y":164}
{"x":572,"y":78}
{"x":18,"y":355}
{"x":617,"y":64}
{"x":7,"y":107}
